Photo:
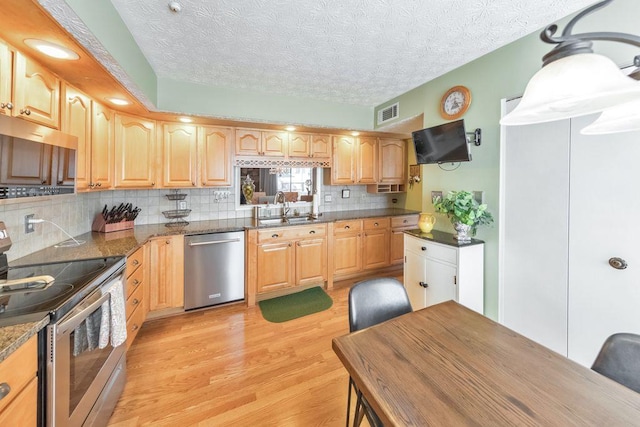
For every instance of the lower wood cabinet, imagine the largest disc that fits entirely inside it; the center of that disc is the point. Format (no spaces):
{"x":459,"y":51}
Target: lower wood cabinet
{"x":436,"y":272}
{"x":18,"y":377}
{"x":375,"y":243}
{"x":166,"y":278}
{"x":285,"y":257}
{"x":136,"y":308}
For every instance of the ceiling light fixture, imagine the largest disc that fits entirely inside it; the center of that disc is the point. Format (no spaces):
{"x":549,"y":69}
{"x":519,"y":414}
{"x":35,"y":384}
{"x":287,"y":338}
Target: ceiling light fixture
{"x":185,"y":119}
{"x":355,"y":133}
{"x":52,"y":50}
{"x":573,"y":80}
{"x":290,"y":128}
{"x":118,"y":101}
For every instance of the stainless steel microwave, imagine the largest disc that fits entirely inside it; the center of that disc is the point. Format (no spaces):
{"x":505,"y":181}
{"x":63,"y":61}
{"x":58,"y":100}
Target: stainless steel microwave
{"x":35,"y":160}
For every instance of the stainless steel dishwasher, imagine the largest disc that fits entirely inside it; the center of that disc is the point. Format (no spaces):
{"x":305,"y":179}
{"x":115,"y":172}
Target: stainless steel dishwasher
{"x":213,"y":269}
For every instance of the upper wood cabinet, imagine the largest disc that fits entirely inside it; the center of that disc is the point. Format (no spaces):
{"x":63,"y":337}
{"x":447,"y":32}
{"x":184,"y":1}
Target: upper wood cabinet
{"x":76,"y":120}
{"x":253,"y":142}
{"x":307,"y":145}
{"x":24,"y":162}
{"x":367,"y":160}
{"x":344,"y":160}
{"x":6,"y":79}
{"x":392,"y":165}
{"x":135,"y":143}
{"x":102,"y":147}
{"x":214,"y":151}
{"x":179,"y":155}
{"x":36,"y":92}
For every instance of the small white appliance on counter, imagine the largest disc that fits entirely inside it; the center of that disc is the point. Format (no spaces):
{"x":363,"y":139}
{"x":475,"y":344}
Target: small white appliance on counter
{"x":213,"y":269}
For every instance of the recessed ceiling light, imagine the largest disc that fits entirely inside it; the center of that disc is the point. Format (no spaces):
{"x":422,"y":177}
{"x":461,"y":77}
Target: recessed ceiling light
{"x":51,"y":49}
{"x":290,"y":128}
{"x":355,"y":133}
{"x":185,"y":119}
{"x":118,"y":101}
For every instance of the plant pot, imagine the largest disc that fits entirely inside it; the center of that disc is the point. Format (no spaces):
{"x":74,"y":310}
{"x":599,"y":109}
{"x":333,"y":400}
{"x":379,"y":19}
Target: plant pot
{"x":463,"y":232}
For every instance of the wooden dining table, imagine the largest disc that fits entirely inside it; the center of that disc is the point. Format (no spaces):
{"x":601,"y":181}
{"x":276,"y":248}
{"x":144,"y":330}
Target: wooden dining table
{"x":447,"y":365}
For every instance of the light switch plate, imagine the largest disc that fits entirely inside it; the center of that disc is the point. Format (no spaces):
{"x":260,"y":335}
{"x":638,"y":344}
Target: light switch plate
{"x":479,"y":196}
{"x":435,"y":194}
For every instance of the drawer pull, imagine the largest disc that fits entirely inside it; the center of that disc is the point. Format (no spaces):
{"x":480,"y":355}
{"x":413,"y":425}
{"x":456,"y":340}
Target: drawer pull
{"x":424,"y":248}
{"x":375,"y":224}
{"x":136,"y":282}
{"x":5,"y":389}
{"x":404,"y":221}
{"x":136,"y":301}
{"x":346,"y":227}
{"x":312,"y":232}
{"x":274,"y":236}
{"x":424,"y":284}
{"x":135,"y":262}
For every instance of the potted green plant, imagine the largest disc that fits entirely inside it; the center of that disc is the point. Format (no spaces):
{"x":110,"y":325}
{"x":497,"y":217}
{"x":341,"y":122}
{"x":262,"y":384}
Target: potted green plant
{"x":465,"y":213}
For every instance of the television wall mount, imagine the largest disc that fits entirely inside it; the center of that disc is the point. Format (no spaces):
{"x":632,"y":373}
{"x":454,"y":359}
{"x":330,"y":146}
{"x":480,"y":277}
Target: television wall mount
{"x":475,"y":136}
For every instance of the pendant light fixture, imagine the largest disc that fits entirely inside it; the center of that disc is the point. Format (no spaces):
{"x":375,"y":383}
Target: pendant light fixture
{"x":621,"y":118}
{"x":573,"y":80}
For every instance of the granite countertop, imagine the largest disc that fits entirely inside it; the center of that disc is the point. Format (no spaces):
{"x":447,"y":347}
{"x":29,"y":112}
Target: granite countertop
{"x":124,"y":242}
{"x":442,"y":237}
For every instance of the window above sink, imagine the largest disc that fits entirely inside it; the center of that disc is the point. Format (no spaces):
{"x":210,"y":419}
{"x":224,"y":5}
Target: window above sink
{"x":298,"y":185}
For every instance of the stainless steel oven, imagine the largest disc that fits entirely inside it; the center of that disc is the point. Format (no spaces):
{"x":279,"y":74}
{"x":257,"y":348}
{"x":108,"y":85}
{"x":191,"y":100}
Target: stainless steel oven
{"x":84,"y":378}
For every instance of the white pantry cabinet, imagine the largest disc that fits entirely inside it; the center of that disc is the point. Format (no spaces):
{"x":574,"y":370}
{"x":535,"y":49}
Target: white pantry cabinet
{"x":568,"y":205}
{"x":437,"y":269}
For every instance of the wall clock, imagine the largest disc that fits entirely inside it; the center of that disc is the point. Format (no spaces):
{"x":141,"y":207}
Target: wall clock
{"x":455,"y":102}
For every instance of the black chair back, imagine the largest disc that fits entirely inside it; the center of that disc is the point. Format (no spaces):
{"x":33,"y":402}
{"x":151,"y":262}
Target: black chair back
{"x":619,"y":359}
{"x":376,"y":300}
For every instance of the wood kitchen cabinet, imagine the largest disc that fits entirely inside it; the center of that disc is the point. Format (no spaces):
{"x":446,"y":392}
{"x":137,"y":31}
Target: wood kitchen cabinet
{"x":375,"y":243}
{"x":214,"y":151}
{"x":19,"y":373}
{"x":102,"y":147}
{"x":166,"y":273}
{"x":343,"y":166}
{"x":76,"y":121}
{"x":254,"y":142}
{"x":347,"y":247}
{"x":392,"y":163}
{"x":285,"y":257}
{"x":24,"y":162}
{"x":366,"y":160}
{"x":179,"y":155}
{"x":34,"y":92}
{"x":135,"y":161}
{"x":399,"y":224}
{"x":137,"y":279}
{"x":306,"y":145}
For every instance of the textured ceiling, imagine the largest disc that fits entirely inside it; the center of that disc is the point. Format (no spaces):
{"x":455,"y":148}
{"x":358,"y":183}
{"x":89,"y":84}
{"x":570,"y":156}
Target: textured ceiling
{"x":360,"y":52}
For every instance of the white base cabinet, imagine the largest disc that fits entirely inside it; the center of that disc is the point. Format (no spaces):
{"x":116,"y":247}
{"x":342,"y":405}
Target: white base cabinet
{"x":436,"y":272}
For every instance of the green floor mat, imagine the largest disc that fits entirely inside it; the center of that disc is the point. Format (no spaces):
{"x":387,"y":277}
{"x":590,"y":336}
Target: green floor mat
{"x":288,"y":307}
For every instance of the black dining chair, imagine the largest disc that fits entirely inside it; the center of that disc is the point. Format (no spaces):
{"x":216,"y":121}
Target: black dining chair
{"x":371,"y":302}
{"x":619,"y":359}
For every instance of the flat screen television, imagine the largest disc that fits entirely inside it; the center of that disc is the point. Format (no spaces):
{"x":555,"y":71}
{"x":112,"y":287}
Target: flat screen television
{"x":445,"y":143}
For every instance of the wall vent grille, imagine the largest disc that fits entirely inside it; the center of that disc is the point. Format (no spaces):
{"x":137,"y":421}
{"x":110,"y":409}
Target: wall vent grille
{"x":388,"y":113}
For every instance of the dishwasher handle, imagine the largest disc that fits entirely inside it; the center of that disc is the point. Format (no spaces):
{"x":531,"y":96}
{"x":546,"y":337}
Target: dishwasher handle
{"x":213,"y":242}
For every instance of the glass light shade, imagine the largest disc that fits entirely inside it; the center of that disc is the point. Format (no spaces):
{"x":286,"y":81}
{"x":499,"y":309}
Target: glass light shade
{"x":621,"y":118}
{"x":573,"y":86}
{"x":51,"y":49}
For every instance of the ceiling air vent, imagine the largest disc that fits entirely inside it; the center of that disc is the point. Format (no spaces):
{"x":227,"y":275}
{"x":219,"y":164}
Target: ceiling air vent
{"x":388,"y":113}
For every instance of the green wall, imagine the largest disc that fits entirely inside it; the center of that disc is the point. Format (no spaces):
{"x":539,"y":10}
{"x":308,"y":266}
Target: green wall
{"x":501,"y":74}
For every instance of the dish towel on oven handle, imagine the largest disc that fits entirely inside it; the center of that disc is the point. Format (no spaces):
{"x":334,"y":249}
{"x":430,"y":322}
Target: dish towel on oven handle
{"x":114,"y":318}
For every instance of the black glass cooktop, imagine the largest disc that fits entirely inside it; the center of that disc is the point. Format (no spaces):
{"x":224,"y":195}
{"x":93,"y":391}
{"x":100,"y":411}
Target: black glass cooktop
{"x":32,"y":300}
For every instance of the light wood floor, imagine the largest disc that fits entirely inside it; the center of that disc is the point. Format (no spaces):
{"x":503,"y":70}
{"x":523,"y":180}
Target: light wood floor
{"x":229,"y":367}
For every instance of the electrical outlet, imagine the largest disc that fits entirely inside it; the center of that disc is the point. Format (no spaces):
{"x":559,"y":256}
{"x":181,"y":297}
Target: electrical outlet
{"x":327,"y":198}
{"x":182,"y":205}
{"x":435,"y":194}
{"x":29,"y":228}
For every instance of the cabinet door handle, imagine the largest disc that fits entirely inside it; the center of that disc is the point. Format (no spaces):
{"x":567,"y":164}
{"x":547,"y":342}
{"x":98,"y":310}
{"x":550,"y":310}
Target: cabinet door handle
{"x":289,"y":244}
{"x":5,"y":389}
{"x":299,"y":244}
{"x":99,"y":184}
{"x":135,"y":262}
{"x":424,"y":248}
{"x":618,"y":263}
{"x":136,"y":301}
{"x":168,"y":242}
{"x":424,"y":284}
{"x":404,"y":221}
{"x":135,"y":327}
{"x":8,"y":106}
{"x":25,"y":111}
{"x":136,"y":282}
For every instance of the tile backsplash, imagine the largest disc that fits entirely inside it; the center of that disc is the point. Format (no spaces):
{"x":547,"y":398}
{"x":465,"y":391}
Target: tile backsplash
{"x":75,"y":213}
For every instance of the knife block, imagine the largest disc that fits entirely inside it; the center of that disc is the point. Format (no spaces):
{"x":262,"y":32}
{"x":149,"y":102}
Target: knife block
{"x":100,"y":225}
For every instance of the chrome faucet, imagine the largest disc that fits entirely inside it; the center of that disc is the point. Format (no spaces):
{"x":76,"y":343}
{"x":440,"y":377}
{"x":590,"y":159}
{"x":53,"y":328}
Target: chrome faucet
{"x":281,"y":198}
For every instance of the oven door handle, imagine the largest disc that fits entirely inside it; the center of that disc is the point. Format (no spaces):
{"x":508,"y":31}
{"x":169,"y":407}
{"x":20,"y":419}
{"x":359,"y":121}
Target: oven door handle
{"x":79,"y":314}
{"x":45,"y":280}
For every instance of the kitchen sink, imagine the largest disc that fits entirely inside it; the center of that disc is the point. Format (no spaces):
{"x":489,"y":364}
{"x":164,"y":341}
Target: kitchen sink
{"x":298,"y":219}
{"x":272,"y":221}
{"x":287,"y":220}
